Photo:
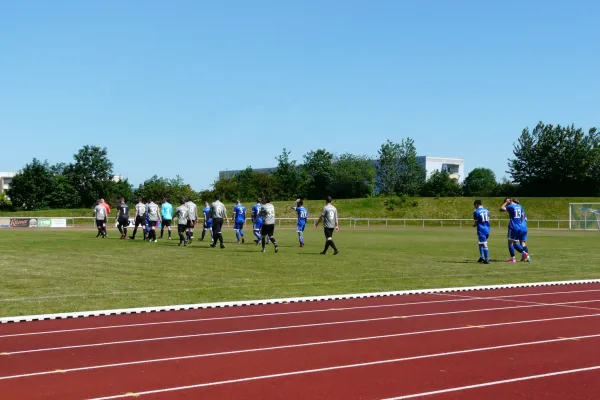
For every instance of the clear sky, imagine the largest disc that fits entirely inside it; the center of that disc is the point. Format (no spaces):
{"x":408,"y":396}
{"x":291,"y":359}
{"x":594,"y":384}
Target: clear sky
{"x":194,"y":87}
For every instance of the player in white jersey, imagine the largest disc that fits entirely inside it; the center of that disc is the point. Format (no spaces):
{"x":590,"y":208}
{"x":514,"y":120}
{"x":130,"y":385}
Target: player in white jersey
{"x":100,"y":217}
{"x":153,"y":211}
{"x":267,"y":212}
{"x":329,"y":216}
{"x":192,"y":219}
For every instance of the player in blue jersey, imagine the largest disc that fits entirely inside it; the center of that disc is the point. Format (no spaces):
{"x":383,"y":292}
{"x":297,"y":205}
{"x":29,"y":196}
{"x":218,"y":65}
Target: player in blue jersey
{"x":481,"y":221}
{"x":257,"y":220}
{"x":207,"y":226}
{"x":166,"y":211}
{"x":239,"y":219}
{"x":302,"y":217}
{"x":517,"y":229}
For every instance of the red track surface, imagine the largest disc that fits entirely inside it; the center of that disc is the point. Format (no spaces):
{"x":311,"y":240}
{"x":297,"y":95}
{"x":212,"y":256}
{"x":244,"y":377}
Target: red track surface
{"x":531,"y":343}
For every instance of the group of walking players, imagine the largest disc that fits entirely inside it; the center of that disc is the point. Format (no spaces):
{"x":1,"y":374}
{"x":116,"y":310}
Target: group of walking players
{"x":150,"y":216}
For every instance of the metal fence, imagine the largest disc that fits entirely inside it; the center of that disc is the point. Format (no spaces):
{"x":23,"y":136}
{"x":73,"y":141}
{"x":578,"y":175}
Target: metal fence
{"x":392,"y":222}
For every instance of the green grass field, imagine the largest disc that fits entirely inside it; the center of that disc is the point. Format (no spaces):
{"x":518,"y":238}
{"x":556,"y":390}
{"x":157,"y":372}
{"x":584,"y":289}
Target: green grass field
{"x":47,"y":271}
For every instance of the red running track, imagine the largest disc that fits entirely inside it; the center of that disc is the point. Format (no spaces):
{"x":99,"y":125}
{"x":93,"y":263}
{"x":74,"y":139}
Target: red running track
{"x":530,"y":343}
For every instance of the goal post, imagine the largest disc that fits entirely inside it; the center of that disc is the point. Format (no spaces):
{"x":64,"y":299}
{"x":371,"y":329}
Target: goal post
{"x":585,"y":216}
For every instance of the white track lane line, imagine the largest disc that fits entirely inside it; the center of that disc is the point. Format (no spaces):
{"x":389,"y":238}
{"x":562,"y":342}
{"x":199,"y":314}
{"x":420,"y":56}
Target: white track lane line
{"x":495,"y":383}
{"x":468,"y":298}
{"x":291,"y":346}
{"x":523,"y":301}
{"x":275,"y":328}
{"x":347,"y":366}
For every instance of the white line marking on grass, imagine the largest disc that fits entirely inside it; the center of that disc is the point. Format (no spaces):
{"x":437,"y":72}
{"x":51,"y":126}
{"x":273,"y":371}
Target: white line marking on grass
{"x":348,"y":366}
{"x":466,"y":298}
{"x":285,"y":300}
{"x":310,"y":344}
{"x":495,"y":383}
{"x":274,"y":328}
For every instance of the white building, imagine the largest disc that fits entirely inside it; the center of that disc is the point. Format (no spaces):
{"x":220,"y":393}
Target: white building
{"x":454,"y":166}
{"x":6,"y":180}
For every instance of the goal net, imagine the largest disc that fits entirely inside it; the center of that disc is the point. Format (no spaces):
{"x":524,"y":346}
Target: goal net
{"x":584,"y":216}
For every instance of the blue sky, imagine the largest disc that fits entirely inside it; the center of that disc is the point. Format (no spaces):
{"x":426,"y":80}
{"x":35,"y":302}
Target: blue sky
{"x":194,"y":87}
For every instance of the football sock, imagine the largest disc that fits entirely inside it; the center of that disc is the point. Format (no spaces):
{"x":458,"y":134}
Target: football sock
{"x":333,"y":245}
{"x":273,"y":241}
{"x":162,"y":231}
{"x":326,"y":246}
{"x":518,"y":247}
{"x":481,"y":251}
{"x":264,"y":242}
{"x":134,"y":232}
{"x":120,"y":229}
{"x":486,"y":254}
{"x":301,"y":239}
{"x":241,"y":232}
{"x":237,"y":235}
{"x":125,"y":231}
{"x":169,"y":233}
{"x":526,"y":249}
{"x":257,"y":235}
{"x":511,"y":250}
{"x":220,"y":236}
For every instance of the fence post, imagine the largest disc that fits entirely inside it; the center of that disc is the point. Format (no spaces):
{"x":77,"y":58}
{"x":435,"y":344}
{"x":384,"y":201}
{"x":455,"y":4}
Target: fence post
{"x":386,"y":222}
{"x":538,"y":224}
{"x":423,"y":221}
{"x":405,"y":223}
{"x":558,"y":223}
{"x":368,"y":223}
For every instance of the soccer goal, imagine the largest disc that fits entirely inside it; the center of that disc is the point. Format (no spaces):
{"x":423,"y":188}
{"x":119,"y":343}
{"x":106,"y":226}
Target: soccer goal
{"x":584,"y":216}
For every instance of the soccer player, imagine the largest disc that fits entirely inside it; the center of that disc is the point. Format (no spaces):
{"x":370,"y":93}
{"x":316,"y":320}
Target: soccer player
{"x":517,"y":229}
{"x":182,"y":221}
{"x":329,"y":216}
{"x":218,"y":213}
{"x":239,"y":219}
{"x":192,"y":218}
{"x":166,"y":211}
{"x":140,"y":215}
{"x":153,"y":219}
{"x":257,"y":220}
{"x":100,"y":216}
{"x":302,"y":217}
{"x":481,"y":218}
{"x":105,"y":204}
{"x":207,"y":226}
{"x":122,"y":217}
{"x":267,"y":212}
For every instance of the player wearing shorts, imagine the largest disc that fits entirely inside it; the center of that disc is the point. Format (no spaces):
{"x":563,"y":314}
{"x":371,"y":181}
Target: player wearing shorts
{"x":481,"y":221}
{"x":166,"y":211}
{"x":218,"y":213}
{"x":302,"y":217}
{"x":192,"y":219}
{"x":122,"y":217}
{"x":100,"y":218}
{"x":140,"y":216}
{"x":517,"y":229}
{"x":267,"y":213}
{"x":182,"y":222}
{"x":239,"y":219}
{"x":329,"y":216}
{"x":256,"y":220}
{"x":105,"y":204}
{"x":207,"y":225}
{"x":153,"y":212}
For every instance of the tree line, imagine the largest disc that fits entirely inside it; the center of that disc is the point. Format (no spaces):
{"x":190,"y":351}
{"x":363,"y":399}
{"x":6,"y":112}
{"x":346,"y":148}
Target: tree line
{"x":547,"y":161}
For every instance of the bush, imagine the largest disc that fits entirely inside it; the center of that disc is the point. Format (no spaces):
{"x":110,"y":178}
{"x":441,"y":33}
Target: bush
{"x":5,"y":204}
{"x":400,"y":201}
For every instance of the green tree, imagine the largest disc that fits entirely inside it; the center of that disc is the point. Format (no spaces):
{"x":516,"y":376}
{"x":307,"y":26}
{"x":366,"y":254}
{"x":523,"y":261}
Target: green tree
{"x":89,"y":173}
{"x":317,"y":172}
{"x":63,"y":194}
{"x":556,"y":161}
{"x":266,"y":186}
{"x":388,"y":167}
{"x":247,"y":188}
{"x":121,"y":188}
{"x":5,"y":203}
{"x":440,"y":184}
{"x":506,"y":188}
{"x":480,"y":182}
{"x":286,"y":176}
{"x":159,"y":188}
{"x":411,"y":173}
{"x":30,"y":187}
{"x":227,"y":188}
{"x":353,"y":177}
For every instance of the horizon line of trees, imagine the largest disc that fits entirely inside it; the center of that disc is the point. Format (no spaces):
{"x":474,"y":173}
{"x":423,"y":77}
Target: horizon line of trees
{"x":548,"y":161}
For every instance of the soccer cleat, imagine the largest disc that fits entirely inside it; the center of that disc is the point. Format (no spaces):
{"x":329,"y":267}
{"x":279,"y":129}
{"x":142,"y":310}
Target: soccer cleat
{"x":323,"y":253}
{"x":512,"y":261}
{"x":131,"y":237}
{"x":276,"y":249}
{"x":301,"y":244}
{"x":214,"y":245}
{"x":263,"y":251}
{"x":257,"y":241}
{"x":243,"y":240}
{"x":481,"y":260}
{"x":335,"y":253}
{"x":222,"y":246}
{"x":486,"y":262}
{"x":525,"y":256}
